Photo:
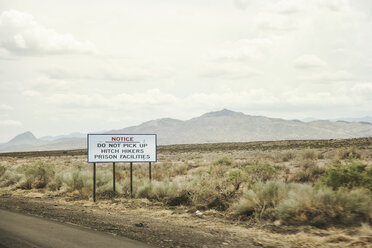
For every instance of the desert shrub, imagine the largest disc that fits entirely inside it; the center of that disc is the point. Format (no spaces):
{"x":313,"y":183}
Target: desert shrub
{"x":164,"y":170}
{"x":320,"y":155}
{"x":309,"y":154}
{"x":287,"y":156}
{"x":104,"y":184}
{"x":166,"y":191}
{"x":2,"y":170}
{"x":236,"y":177}
{"x":77,"y":180}
{"x":349,"y":153}
{"x":262,"y":200}
{"x":217,"y":171}
{"x":205,"y":188}
{"x":125,"y":185}
{"x":224,"y":161}
{"x":309,"y":171}
{"x":179,"y":169}
{"x":258,"y":171}
{"x":10,"y":177}
{"x":5,"y":193}
{"x":323,"y":207}
{"x":103,"y":178}
{"x":216,"y":188}
{"x":351,"y":174}
{"x":55,"y":184}
{"x":36,"y":175}
{"x":303,"y":204}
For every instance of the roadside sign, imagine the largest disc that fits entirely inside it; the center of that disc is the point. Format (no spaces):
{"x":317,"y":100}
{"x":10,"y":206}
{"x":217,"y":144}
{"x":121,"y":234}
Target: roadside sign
{"x":121,"y":148}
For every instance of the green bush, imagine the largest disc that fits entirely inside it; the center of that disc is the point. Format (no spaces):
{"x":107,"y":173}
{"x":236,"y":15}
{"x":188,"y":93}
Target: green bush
{"x":10,"y":177}
{"x":303,"y":204}
{"x":56,"y":184}
{"x":224,"y":161}
{"x":324,"y":207}
{"x":261,"y":172}
{"x":349,"y":175}
{"x":77,"y":180}
{"x":236,"y":177}
{"x":36,"y":175}
{"x":262,"y":200}
{"x":309,"y":154}
{"x":158,"y":190}
{"x":2,"y":170}
{"x":349,"y":153}
{"x":309,"y":171}
{"x":287,"y":156}
{"x":166,"y":191}
{"x":216,"y":188}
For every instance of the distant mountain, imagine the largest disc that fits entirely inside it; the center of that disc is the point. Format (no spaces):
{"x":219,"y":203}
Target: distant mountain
{"x":230,"y":126}
{"x":21,"y":141}
{"x":28,"y":142}
{"x":26,"y":138}
{"x":68,"y":136}
{"x":362,"y":119}
{"x":366,"y":119}
{"x":212,"y":127}
{"x":309,"y":119}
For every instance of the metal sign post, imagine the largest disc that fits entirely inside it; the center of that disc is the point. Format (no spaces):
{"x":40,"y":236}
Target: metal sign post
{"x":113,"y":177}
{"x":94,"y":182}
{"x":131,"y":179}
{"x":150,"y":171}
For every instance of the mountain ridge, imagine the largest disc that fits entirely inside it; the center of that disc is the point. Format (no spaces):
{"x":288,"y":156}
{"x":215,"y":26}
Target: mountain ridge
{"x":216,"y":127}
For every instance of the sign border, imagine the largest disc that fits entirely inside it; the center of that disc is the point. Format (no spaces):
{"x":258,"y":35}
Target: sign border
{"x":153,"y":161}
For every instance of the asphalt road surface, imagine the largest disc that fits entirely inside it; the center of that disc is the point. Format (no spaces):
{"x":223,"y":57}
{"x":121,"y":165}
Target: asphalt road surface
{"x":18,"y":230}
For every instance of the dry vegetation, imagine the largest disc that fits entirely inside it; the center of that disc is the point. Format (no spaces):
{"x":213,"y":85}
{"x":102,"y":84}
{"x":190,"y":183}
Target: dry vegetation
{"x":282,"y":187}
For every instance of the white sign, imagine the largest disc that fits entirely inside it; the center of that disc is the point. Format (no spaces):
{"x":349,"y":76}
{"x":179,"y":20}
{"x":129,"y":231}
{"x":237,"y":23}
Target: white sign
{"x":124,"y":148}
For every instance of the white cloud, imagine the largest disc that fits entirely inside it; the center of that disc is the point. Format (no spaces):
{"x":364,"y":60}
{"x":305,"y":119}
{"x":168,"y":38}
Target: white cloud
{"x":5,"y":54}
{"x":10,"y":123}
{"x":22,"y":35}
{"x":137,"y":99}
{"x":79,"y":100}
{"x":149,"y":97}
{"x":233,"y":99}
{"x":308,"y":61}
{"x":5,"y":107}
{"x":275,"y":23}
{"x":317,"y":99}
{"x":325,"y":77}
{"x":31,"y":93}
{"x":244,"y":49}
{"x":241,"y":4}
{"x":292,"y":100}
{"x":333,"y":5}
{"x":363,"y":90}
{"x":288,"y":7}
{"x":228,"y":71}
{"x":110,"y":72}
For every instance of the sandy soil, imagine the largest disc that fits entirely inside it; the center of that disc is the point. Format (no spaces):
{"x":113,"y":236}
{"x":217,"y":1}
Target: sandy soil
{"x":180,"y":227}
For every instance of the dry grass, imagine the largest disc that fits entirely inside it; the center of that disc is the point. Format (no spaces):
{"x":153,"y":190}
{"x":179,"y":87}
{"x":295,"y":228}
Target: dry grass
{"x":255,"y":184}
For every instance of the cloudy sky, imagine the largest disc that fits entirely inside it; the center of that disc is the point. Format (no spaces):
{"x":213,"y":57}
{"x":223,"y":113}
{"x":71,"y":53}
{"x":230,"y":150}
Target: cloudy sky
{"x":82,"y":66}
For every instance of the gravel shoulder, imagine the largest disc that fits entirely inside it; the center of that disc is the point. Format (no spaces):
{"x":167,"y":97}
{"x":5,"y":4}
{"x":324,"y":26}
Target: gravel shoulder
{"x":137,"y":226}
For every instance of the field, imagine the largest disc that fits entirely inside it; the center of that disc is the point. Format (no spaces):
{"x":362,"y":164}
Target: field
{"x":265,"y":194}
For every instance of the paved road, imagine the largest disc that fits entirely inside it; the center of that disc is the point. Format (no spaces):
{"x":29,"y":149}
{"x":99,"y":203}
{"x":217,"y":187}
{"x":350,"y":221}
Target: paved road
{"x":18,"y":230}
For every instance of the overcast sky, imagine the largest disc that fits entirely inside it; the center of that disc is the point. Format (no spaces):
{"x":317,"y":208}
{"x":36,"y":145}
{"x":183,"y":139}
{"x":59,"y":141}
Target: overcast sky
{"x":82,"y":66}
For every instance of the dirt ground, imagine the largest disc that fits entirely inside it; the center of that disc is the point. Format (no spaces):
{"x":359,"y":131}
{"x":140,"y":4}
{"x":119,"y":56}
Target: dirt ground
{"x":155,"y":225}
